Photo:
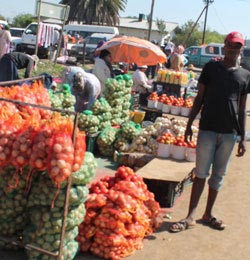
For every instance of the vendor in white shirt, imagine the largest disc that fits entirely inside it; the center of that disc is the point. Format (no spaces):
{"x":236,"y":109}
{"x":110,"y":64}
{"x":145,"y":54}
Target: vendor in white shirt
{"x":141,"y":84}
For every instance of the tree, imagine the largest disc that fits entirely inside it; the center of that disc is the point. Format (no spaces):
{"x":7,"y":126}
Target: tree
{"x":2,"y":17}
{"x":161,"y":26}
{"x":22,"y":20}
{"x":95,"y":11}
{"x":183,"y":36}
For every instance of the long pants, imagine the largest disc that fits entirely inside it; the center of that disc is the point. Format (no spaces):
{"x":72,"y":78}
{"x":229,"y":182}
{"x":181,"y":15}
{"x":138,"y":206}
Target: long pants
{"x":8,"y":69}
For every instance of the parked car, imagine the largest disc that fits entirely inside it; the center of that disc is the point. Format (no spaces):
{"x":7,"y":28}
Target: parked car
{"x":91,"y":44}
{"x":245,"y":58}
{"x":16,"y":36}
{"x":200,"y":55}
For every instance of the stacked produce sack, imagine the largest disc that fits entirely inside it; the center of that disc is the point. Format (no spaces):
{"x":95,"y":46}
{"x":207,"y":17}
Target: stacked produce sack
{"x":106,"y":140}
{"x":129,"y":131}
{"x":102,"y":110}
{"x":37,"y":156}
{"x":13,"y":202}
{"x":88,"y":122}
{"x":44,"y":229}
{"x":62,"y":99}
{"x":120,"y":213}
{"x":34,"y":93}
{"x":118,"y":94}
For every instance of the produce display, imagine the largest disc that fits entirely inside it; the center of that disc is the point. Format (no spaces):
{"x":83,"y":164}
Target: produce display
{"x":30,"y":215}
{"x":102,"y":110}
{"x":62,"y":100}
{"x":106,"y":140}
{"x":147,"y":141}
{"x":37,"y":157}
{"x":88,"y":122}
{"x":173,"y":77}
{"x":120,"y":213}
{"x":166,"y":138}
{"x":45,"y":222}
{"x":153,"y":96}
{"x":35,"y":93}
{"x":118,"y":94}
{"x":13,"y":215}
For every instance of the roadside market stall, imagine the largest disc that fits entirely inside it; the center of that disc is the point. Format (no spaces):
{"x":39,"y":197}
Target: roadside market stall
{"x":44,"y":177}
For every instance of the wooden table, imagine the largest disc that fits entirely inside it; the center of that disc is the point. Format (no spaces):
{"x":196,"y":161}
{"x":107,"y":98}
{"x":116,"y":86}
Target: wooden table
{"x":165,"y":176}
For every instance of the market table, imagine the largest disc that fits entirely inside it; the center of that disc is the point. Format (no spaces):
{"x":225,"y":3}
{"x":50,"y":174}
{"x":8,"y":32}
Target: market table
{"x":166,"y":178}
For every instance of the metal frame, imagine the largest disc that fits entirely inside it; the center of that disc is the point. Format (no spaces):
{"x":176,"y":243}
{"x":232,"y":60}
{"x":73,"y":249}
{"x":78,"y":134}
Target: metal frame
{"x":69,"y":181}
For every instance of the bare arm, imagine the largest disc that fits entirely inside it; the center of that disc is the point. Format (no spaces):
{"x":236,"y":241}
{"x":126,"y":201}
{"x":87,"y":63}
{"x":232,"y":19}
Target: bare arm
{"x":242,"y":123}
{"x":195,"y":110}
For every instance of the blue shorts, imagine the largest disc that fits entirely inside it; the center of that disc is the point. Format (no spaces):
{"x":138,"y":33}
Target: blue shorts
{"x":213,"y":149}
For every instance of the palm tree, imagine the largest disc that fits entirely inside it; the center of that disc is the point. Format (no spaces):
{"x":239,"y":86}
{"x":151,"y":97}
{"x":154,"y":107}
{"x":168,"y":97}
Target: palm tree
{"x":95,"y":11}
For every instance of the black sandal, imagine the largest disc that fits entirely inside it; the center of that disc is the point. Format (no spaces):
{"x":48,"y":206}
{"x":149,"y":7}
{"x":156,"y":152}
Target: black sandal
{"x":214,"y":223}
{"x":179,"y":226}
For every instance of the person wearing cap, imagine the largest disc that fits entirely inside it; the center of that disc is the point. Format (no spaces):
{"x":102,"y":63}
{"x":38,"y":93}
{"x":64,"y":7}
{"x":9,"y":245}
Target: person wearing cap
{"x":85,"y":86}
{"x":141,"y":84}
{"x":222,"y":94}
{"x":103,"y":68}
{"x":10,"y":63}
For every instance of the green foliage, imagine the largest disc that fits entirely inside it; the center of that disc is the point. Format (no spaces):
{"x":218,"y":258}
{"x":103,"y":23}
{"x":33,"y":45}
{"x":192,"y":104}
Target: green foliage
{"x":161,"y":26}
{"x":2,"y":17}
{"x":190,"y":34}
{"x":96,"y":11}
{"x":22,"y":20}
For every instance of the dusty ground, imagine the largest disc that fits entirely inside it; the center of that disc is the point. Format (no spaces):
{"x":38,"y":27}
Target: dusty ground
{"x":200,"y":242}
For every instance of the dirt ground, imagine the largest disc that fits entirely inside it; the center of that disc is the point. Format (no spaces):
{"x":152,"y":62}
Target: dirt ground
{"x":200,"y":242}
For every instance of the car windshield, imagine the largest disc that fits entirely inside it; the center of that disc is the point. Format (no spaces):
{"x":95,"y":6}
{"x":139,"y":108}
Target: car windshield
{"x":16,"y":32}
{"x":94,"y":40}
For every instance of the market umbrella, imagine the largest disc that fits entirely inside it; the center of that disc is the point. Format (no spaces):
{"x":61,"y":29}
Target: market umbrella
{"x":134,"y":50}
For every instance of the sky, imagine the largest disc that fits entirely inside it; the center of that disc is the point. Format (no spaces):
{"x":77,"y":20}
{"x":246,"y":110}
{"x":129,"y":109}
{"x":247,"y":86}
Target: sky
{"x":223,"y":16}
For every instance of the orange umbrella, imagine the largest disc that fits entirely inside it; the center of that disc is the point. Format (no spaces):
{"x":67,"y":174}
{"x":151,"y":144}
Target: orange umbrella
{"x":134,"y":50}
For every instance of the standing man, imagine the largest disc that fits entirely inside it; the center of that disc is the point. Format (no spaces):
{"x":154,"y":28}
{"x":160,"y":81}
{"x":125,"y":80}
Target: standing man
{"x":222,"y":93}
{"x":141,"y":84}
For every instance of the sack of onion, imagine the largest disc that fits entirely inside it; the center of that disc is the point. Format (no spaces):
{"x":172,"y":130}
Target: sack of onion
{"x":120,"y":213}
{"x":61,"y":157}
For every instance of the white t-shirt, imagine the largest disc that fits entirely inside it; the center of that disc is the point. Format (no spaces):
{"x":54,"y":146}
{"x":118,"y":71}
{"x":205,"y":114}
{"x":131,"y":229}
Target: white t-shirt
{"x":140,"y":82}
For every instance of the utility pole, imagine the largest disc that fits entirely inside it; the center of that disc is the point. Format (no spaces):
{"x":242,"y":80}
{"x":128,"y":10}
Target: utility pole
{"x":205,"y":22}
{"x":150,"y":19}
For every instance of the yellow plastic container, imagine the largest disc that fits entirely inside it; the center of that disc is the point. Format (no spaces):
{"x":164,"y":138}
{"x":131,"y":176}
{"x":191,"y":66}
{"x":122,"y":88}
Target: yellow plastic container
{"x":138,"y":116}
{"x":131,"y":114}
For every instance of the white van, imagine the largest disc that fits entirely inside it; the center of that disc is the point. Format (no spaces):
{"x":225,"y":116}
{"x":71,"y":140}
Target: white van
{"x":28,"y":44}
{"x":86,"y":30}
